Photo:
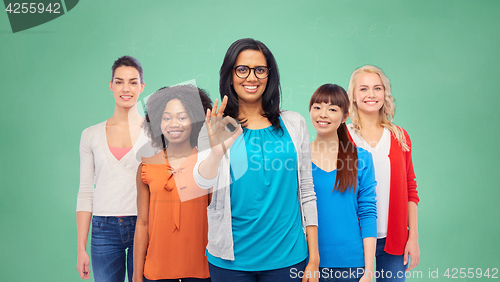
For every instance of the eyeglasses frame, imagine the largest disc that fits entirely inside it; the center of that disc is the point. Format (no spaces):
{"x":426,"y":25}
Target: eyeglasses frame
{"x":235,"y":67}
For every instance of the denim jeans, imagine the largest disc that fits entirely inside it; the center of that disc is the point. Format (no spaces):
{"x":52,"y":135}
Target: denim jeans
{"x":112,"y":247}
{"x":286,"y":274}
{"x":177,"y":280}
{"x":344,"y":274}
{"x":390,"y":268}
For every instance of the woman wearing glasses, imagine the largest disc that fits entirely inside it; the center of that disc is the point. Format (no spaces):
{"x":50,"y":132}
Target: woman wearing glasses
{"x":262,"y":217}
{"x":109,"y":155}
{"x":371,"y":112}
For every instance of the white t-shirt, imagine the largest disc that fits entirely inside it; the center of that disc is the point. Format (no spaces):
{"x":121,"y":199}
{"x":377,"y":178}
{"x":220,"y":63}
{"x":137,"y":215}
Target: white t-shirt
{"x":382,"y":164}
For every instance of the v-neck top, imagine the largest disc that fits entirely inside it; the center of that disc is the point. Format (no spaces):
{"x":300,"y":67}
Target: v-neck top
{"x":119,"y":152}
{"x":107,"y":185}
{"x":345,"y":219}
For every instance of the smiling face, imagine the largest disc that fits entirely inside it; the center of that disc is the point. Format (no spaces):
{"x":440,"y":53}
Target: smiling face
{"x":326,"y":118}
{"x":175,"y":123}
{"x":126,"y":86}
{"x":369,"y":92}
{"x":250,"y":89}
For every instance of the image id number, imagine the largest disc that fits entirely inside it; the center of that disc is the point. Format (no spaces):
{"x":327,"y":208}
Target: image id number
{"x":470,"y":273}
{"x":32,"y":8}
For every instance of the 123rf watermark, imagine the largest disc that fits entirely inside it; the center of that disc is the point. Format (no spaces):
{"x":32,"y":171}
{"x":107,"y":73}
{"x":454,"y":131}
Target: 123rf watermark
{"x":451,"y":273}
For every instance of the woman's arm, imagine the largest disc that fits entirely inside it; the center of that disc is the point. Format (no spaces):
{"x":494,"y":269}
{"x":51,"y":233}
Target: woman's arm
{"x":367,"y":210}
{"x":141,"y":238}
{"x":306,"y":186}
{"x":369,"y":246}
{"x":412,"y":249}
{"x":84,"y":202}
{"x":83,"y":219}
{"x":308,"y":201}
{"x":311,"y":272}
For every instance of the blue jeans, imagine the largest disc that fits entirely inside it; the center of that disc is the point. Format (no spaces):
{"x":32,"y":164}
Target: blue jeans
{"x":390,"y":268}
{"x":344,"y":274}
{"x":286,"y":274}
{"x":177,"y":280}
{"x":112,"y":247}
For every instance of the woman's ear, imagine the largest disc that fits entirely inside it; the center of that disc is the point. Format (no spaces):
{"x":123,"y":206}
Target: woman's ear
{"x":345,"y":117}
{"x":142,"y":87}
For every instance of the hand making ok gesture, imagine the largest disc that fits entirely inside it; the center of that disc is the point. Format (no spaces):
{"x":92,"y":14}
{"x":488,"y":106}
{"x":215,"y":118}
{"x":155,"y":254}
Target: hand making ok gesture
{"x":219,"y":135}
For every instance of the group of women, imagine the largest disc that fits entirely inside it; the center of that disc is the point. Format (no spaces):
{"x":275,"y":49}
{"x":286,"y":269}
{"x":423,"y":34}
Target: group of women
{"x":236,"y":191}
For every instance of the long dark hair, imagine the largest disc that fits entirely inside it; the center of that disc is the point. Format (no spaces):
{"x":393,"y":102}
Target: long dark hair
{"x":347,"y":171}
{"x":272,"y":94}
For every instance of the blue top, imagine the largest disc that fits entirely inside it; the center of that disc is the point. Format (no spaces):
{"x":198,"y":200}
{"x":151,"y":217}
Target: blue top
{"x":266,"y":221}
{"x":344,"y":219}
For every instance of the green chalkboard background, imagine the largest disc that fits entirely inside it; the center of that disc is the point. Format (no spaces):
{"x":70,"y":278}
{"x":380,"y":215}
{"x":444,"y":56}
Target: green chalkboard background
{"x":441,"y":56}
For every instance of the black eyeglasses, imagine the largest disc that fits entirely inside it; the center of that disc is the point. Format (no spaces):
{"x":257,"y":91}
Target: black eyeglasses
{"x":243,"y":71}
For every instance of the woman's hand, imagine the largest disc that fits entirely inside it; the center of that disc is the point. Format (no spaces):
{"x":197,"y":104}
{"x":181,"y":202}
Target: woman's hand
{"x":137,"y":278}
{"x":367,"y":277}
{"x":311,"y":272}
{"x":220,"y":138}
{"x":82,"y":265}
{"x":412,"y":249}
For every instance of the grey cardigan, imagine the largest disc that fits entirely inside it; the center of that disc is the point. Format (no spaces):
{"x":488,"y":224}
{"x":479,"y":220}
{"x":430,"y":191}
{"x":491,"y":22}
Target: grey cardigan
{"x":220,"y":235}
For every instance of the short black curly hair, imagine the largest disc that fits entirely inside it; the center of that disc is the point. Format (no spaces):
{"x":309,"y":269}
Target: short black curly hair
{"x":196,"y":107}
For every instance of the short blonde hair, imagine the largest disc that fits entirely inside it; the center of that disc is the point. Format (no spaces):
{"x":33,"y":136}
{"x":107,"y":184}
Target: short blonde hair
{"x":386,"y":113}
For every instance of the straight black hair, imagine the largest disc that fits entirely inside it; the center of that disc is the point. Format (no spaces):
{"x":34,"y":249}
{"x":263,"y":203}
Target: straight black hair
{"x":347,"y":170}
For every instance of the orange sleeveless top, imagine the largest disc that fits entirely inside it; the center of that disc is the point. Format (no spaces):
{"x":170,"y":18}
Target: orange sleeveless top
{"x":177,"y":222}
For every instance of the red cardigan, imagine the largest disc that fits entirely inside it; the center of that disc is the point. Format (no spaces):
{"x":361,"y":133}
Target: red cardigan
{"x":403,"y":189}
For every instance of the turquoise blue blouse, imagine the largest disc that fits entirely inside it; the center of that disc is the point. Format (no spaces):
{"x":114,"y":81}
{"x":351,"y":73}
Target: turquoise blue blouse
{"x":266,"y":223}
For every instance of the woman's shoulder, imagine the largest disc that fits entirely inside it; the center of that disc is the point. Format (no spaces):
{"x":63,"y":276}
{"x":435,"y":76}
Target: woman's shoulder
{"x":90,"y":132}
{"x":400,"y":128}
{"x":362,"y":153}
{"x":365,"y":159}
{"x":351,"y":128}
{"x":94,"y":128}
{"x":291,"y":116}
{"x":155,"y":159}
{"x":405,"y":134}
{"x":354,"y":134}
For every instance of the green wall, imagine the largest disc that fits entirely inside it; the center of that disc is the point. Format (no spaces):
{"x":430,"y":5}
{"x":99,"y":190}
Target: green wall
{"x":441,"y":56}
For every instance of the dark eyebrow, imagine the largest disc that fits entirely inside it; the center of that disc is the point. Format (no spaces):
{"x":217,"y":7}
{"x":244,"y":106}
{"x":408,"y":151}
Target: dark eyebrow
{"x":184,"y":112}
{"x":135,"y":78}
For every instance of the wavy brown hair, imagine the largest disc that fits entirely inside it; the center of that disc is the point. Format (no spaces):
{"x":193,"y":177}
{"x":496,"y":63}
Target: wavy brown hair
{"x":347,"y":172}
